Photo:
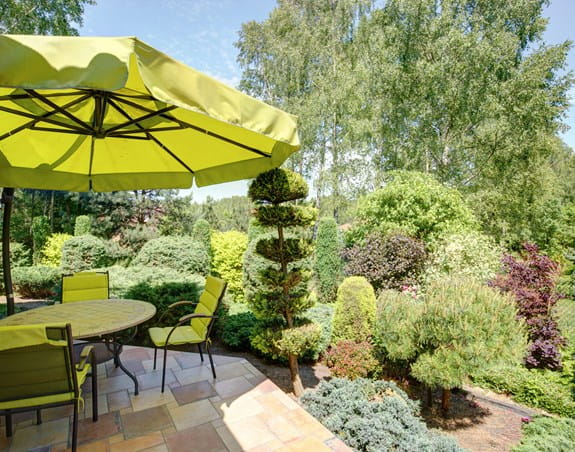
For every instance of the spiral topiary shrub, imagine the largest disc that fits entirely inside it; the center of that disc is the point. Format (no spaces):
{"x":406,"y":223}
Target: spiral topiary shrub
{"x":354,"y":311}
{"x":373,"y":416}
{"x":84,"y":252}
{"x":180,"y":253}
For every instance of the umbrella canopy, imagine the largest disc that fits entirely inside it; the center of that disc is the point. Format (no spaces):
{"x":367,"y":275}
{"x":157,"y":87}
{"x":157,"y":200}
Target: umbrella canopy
{"x":108,"y":114}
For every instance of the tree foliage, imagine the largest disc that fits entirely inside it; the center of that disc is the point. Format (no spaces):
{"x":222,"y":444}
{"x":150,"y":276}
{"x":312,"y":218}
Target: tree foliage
{"x":354,"y":315}
{"x":228,"y":252}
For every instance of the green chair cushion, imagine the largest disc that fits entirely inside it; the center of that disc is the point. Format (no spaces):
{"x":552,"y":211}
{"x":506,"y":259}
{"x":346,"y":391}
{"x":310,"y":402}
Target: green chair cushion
{"x":181,"y":335}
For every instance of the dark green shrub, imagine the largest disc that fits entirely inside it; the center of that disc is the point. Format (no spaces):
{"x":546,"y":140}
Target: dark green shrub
{"x":547,"y":434}
{"x":354,"y":311}
{"x":162,"y":296}
{"x":387,"y":262}
{"x":373,"y":416}
{"x":83,"y":225}
{"x":201,"y":233}
{"x":349,"y":359}
{"x":36,"y":282}
{"x":117,"y":254}
{"x":84,"y":252}
{"x":328,"y":264}
{"x":178,"y":252}
{"x":237,"y":330}
{"x":533,"y":387}
{"x":20,"y":256}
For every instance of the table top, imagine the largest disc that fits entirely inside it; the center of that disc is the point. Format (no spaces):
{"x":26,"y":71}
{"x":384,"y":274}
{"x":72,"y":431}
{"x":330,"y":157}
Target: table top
{"x":88,"y":318}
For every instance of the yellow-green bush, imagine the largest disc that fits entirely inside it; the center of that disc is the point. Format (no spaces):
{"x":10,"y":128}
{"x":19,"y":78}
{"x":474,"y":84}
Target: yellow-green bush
{"x":228,"y":251}
{"x":51,"y":254}
{"x":354,"y":310}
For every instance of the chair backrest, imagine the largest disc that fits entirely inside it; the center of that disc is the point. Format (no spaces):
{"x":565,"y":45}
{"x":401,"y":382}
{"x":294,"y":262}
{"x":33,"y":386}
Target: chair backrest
{"x":35,"y":361}
{"x":85,"y":286}
{"x":208,"y":304}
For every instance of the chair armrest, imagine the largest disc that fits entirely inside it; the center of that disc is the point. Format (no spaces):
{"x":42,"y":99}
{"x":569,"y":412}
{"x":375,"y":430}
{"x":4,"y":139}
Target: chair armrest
{"x":84,"y":355}
{"x":182,"y":303}
{"x":185,"y":318}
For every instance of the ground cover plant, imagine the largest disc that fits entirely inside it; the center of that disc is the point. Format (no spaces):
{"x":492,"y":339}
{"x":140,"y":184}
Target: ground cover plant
{"x":373,"y":416}
{"x":547,"y":434}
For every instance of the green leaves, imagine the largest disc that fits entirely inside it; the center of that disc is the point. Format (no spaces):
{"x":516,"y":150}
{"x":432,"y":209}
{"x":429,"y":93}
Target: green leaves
{"x":277,"y":186}
{"x":285,"y":215}
{"x":291,"y":249}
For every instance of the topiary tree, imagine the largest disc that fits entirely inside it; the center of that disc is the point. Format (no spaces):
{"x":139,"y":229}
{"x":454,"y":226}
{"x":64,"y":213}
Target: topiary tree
{"x":52,"y":251}
{"x":415,"y":204}
{"x":460,"y":327}
{"x":201,"y":233}
{"x":84,"y":252}
{"x":178,"y":252}
{"x":40,"y":233}
{"x":83,"y":225}
{"x":354,"y":311}
{"x":228,"y":252}
{"x":328,"y":265}
{"x":283,"y":295}
{"x":387,"y":262}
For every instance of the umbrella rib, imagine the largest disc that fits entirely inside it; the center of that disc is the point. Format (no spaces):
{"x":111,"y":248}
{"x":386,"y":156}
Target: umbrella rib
{"x":150,"y":136}
{"x":37,"y":119}
{"x":141,"y":118}
{"x":199,"y":129}
{"x":59,"y":109}
{"x":155,"y":129}
{"x":29,"y":96}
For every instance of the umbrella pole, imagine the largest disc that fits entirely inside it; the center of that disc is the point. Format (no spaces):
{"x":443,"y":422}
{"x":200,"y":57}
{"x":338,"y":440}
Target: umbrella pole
{"x":7,"y":197}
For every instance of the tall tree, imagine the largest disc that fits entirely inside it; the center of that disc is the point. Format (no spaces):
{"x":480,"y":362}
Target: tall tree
{"x":302,"y":59}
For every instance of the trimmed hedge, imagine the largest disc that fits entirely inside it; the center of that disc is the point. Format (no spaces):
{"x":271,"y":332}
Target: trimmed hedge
{"x":36,"y":282}
{"x":84,"y":252}
{"x":354,"y":310}
{"x":180,"y":253}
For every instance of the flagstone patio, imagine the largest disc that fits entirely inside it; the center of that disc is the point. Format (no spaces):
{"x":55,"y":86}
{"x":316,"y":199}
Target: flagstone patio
{"x":240,"y":410}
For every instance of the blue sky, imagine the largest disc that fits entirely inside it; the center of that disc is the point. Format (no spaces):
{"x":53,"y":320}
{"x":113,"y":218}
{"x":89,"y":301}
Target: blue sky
{"x":201,"y":33}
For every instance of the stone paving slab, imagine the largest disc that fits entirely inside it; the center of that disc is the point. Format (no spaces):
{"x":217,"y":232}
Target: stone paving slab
{"x":241,"y":410}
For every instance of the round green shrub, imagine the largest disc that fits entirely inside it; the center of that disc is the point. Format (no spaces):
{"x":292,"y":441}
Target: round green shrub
{"x":277,"y":186}
{"x":20,"y":255}
{"x":236,"y":332}
{"x":350,"y":359}
{"x":228,"y":252}
{"x":52,"y":251}
{"x":83,"y":225}
{"x":354,"y":310}
{"x":84,"y":252}
{"x":36,"y":282}
{"x":415,"y":204}
{"x":328,"y":264}
{"x":469,"y":254}
{"x":133,"y":238}
{"x":178,"y":252}
{"x":373,"y":416}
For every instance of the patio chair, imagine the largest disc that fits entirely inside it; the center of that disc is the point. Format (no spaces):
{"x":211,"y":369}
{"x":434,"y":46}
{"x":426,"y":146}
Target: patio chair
{"x":37,"y":370}
{"x":85,"y":286}
{"x":200,"y":324}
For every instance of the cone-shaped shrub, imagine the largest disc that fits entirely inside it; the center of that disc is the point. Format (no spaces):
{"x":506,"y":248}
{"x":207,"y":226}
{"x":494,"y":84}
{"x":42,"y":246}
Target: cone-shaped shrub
{"x":354,"y":311}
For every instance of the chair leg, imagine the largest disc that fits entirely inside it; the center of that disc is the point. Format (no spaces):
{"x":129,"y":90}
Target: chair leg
{"x":164,"y":368}
{"x":211,"y":360}
{"x":155,"y":355}
{"x":94,"y":365}
{"x":8,"y":425}
{"x":200,"y":350}
{"x":38,"y":416}
{"x":75,"y":427}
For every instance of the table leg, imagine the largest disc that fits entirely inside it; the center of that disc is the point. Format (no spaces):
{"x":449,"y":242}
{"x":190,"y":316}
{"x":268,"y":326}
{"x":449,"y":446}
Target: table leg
{"x":118,"y":362}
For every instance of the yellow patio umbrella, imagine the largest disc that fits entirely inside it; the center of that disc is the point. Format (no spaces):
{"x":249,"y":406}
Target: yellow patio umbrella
{"x":107,"y":114}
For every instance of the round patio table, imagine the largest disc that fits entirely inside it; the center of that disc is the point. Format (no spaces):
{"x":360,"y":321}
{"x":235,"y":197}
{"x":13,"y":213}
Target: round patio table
{"x":92,"y":318}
